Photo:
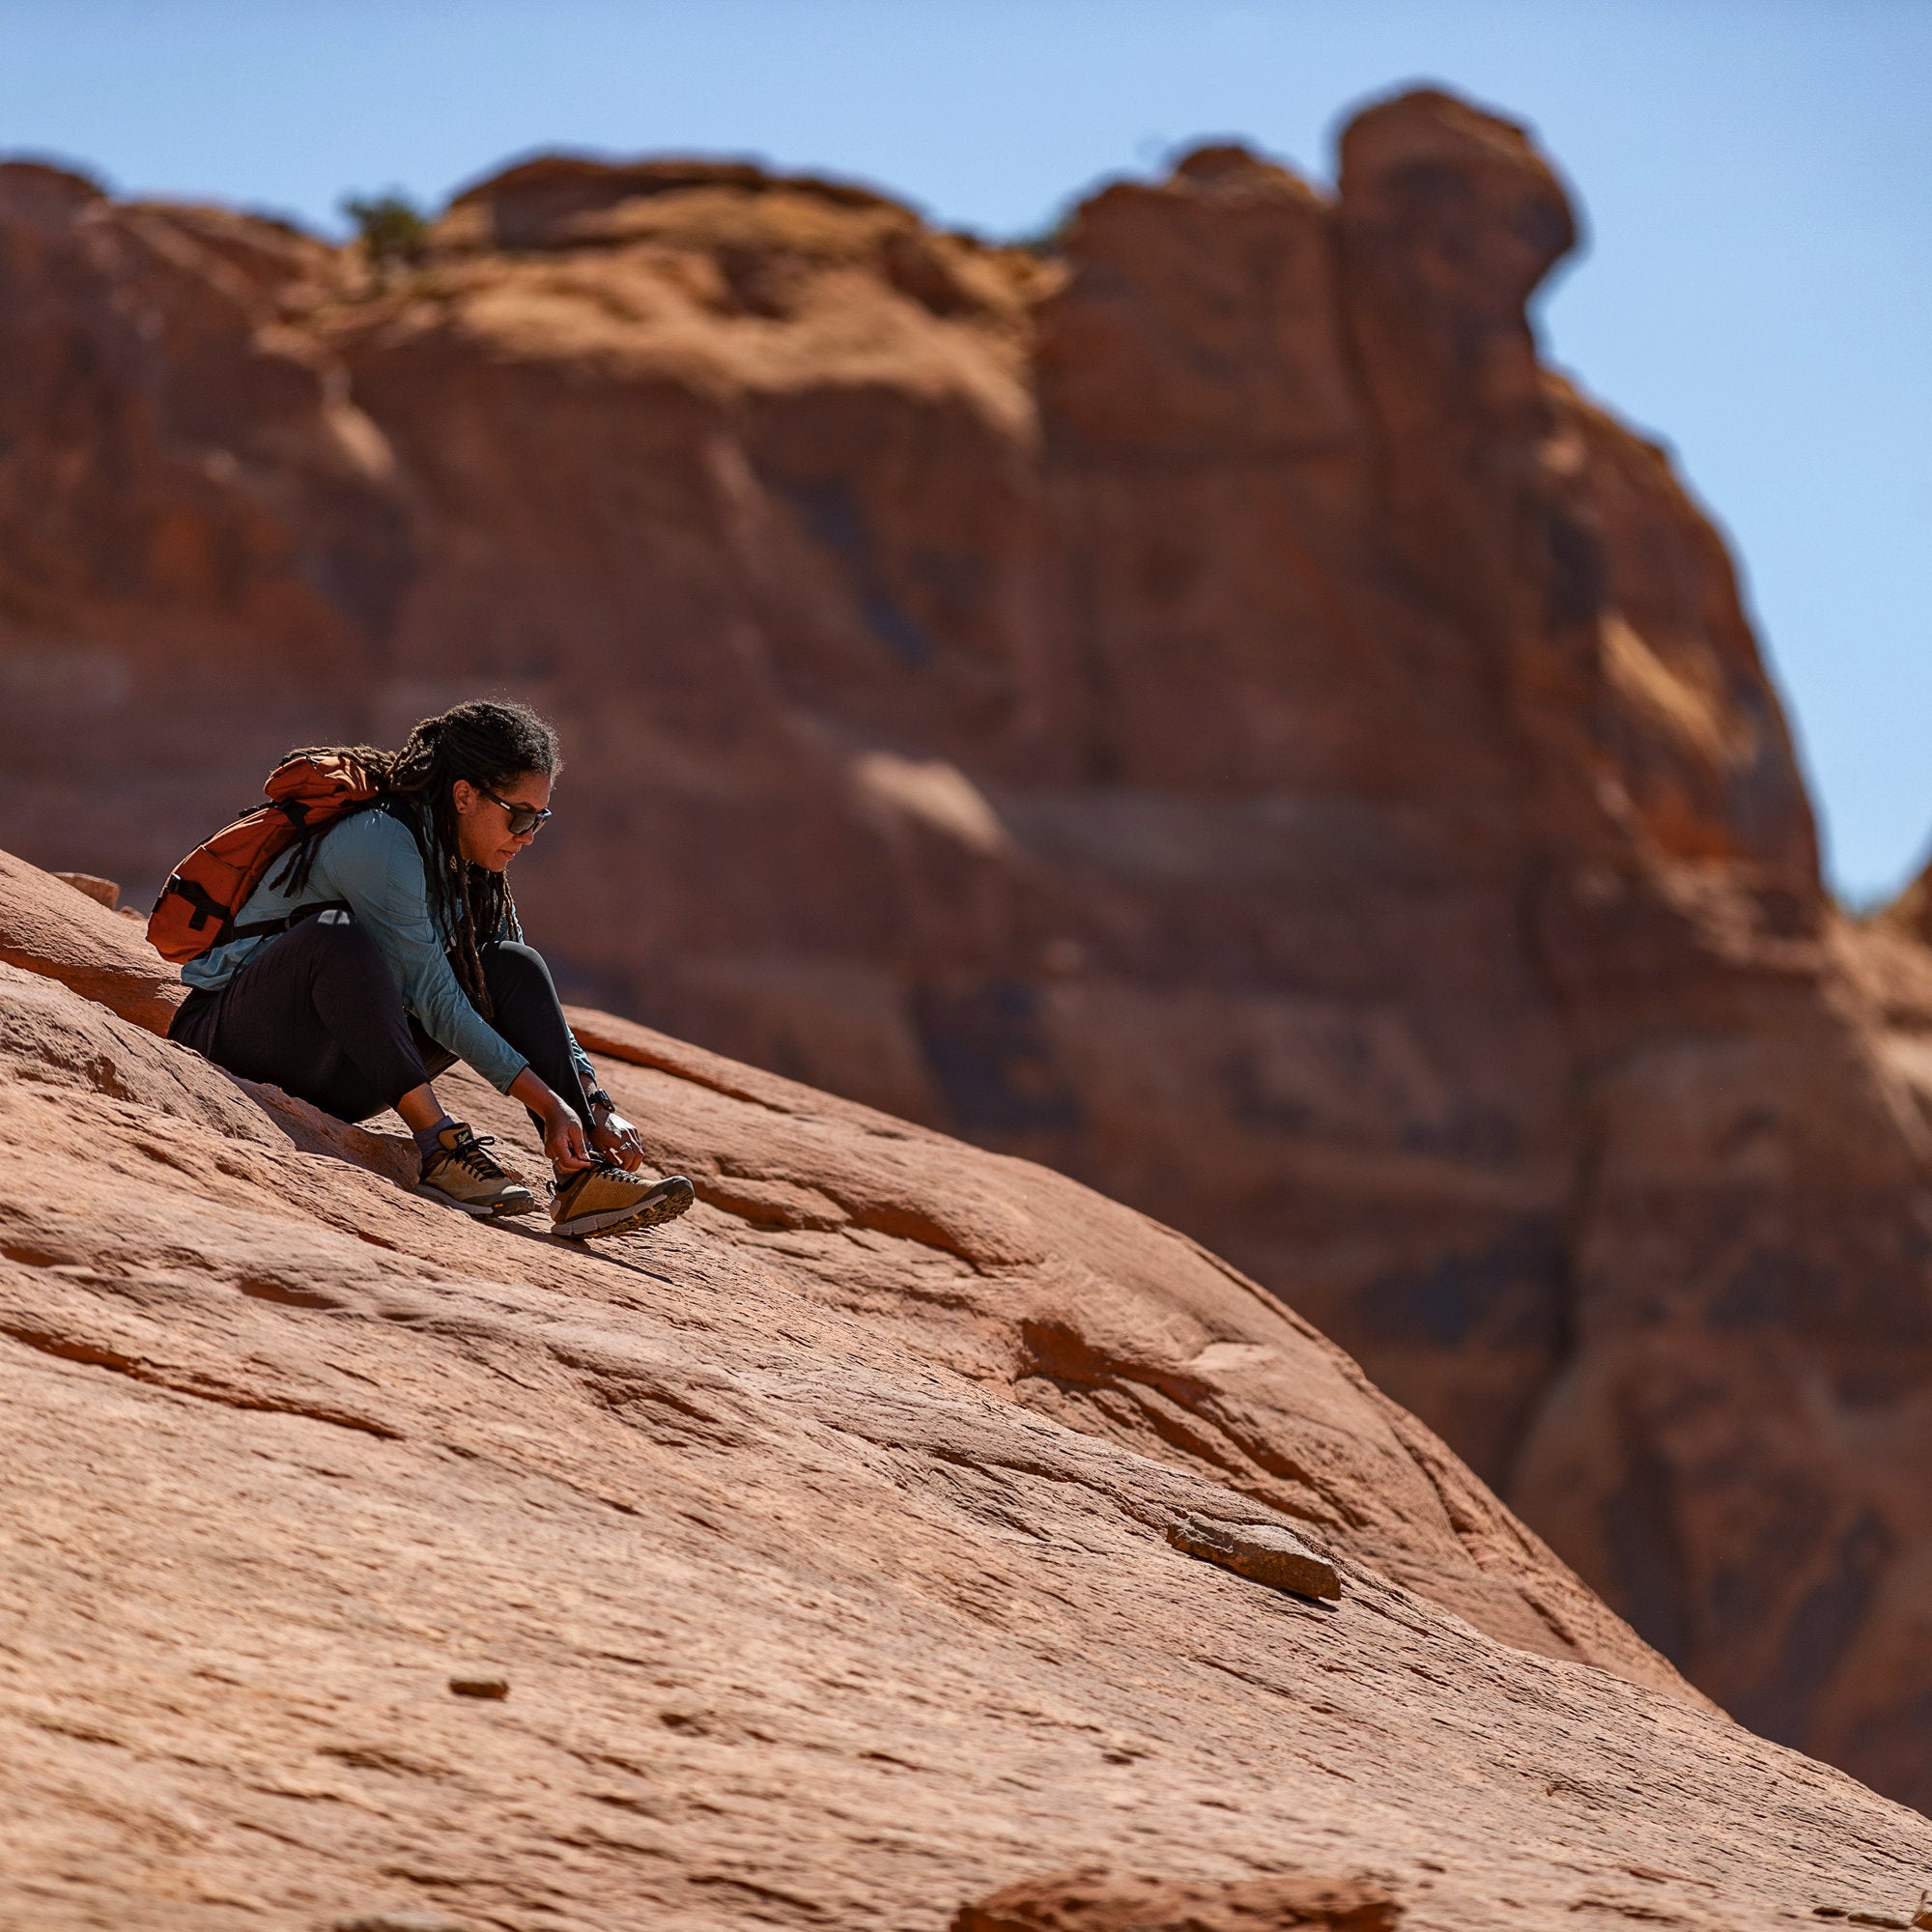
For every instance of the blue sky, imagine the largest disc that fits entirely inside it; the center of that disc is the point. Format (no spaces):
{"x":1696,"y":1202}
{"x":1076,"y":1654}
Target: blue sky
{"x":1757,"y":176}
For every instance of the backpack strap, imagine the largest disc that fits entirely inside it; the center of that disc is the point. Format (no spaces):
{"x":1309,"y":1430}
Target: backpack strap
{"x":261,"y":928}
{"x":206,"y":906}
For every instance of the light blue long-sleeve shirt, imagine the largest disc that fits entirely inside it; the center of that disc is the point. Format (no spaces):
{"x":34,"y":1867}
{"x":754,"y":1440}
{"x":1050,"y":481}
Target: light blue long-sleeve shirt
{"x":370,"y":863}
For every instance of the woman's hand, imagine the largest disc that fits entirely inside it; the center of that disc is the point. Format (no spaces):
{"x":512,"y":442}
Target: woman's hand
{"x":564,"y":1138}
{"x":563,"y":1134}
{"x":617,"y":1137}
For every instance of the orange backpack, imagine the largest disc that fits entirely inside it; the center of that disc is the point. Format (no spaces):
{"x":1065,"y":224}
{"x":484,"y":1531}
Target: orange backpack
{"x":198,"y":905}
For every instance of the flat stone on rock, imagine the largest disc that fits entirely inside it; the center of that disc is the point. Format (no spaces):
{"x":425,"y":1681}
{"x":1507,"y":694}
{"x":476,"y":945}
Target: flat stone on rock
{"x":1263,"y":1552}
{"x":1098,"y":1900}
{"x":397,"y":1921}
{"x":496,"y":1688}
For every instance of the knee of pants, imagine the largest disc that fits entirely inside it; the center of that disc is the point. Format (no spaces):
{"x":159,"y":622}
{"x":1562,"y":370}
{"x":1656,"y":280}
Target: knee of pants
{"x":510,"y":967}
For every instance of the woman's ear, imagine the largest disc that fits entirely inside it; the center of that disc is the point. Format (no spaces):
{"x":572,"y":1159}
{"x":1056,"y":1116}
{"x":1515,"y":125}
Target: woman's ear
{"x":462,"y":795}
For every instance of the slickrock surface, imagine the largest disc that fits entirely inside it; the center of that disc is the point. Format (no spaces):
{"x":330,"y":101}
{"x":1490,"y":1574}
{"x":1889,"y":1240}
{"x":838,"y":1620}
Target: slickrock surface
{"x":1203,"y":709}
{"x":803,"y":1561}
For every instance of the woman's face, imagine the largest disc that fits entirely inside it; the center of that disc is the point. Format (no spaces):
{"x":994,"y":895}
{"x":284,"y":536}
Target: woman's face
{"x":483,"y":817}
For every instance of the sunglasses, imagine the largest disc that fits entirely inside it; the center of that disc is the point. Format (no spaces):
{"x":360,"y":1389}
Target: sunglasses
{"x":522,"y":818}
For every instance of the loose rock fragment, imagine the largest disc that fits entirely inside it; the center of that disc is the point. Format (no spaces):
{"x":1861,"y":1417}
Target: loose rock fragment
{"x":397,"y":1921}
{"x":1097,"y":1900}
{"x":479,"y":1686}
{"x":1263,"y":1552}
{"x":103,"y":890}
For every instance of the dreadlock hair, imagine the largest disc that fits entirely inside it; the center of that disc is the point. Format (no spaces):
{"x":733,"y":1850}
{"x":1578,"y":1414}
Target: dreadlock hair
{"x":491,"y":745}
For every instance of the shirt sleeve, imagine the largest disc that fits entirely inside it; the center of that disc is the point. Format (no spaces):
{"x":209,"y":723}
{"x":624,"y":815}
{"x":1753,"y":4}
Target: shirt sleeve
{"x":376,"y":869}
{"x":585,"y":1070}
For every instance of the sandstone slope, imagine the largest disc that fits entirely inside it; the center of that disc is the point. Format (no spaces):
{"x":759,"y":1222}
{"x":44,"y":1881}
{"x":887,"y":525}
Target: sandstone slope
{"x":1202,"y":708}
{"x":800,"y":1564}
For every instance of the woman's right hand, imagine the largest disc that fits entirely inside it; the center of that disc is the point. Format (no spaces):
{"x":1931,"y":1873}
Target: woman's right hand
{"x":563,"y":1135}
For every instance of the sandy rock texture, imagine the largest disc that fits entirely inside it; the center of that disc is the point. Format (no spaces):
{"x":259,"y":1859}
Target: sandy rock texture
{"x":801,"y":1564}
{"x":1200,"y":707}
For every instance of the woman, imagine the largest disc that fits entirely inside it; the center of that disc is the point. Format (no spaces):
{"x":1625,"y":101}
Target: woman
{"x":393,"y":951}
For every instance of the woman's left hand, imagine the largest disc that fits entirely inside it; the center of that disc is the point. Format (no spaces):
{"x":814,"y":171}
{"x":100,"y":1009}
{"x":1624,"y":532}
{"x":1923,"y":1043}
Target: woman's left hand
{"x":617,"y":1137}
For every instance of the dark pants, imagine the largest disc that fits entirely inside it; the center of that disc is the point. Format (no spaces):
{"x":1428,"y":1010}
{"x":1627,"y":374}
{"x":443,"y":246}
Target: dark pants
{"x":317,"y":1014}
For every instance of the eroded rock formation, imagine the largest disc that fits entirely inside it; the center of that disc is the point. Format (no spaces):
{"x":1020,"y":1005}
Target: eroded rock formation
{"x":801,"y":1565}
{"x":1204,"y":710}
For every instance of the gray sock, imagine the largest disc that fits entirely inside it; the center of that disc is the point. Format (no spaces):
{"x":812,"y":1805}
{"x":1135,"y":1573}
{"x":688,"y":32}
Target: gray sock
{"x":427,"y":1141}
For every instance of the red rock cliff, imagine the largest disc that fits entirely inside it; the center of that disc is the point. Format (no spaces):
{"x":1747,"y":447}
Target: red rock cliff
{"x":1208,"y":711}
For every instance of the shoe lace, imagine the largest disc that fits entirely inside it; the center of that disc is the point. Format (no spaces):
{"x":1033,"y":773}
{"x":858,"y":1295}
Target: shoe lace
{"x":470,"y":1154}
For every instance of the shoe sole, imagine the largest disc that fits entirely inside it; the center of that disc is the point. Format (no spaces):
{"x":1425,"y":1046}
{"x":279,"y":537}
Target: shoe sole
{"x":477,"y":1210}
{"x":665,"y":1202}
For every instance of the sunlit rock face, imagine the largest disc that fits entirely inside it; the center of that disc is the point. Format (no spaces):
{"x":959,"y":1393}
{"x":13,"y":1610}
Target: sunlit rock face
{"x":1202,"y":708}
{"x":908,"y":1538}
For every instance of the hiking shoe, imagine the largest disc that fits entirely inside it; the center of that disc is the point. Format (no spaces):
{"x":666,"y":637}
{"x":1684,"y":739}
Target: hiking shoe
{"x":463,"y":1175}
{"x":606,"y":1200}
